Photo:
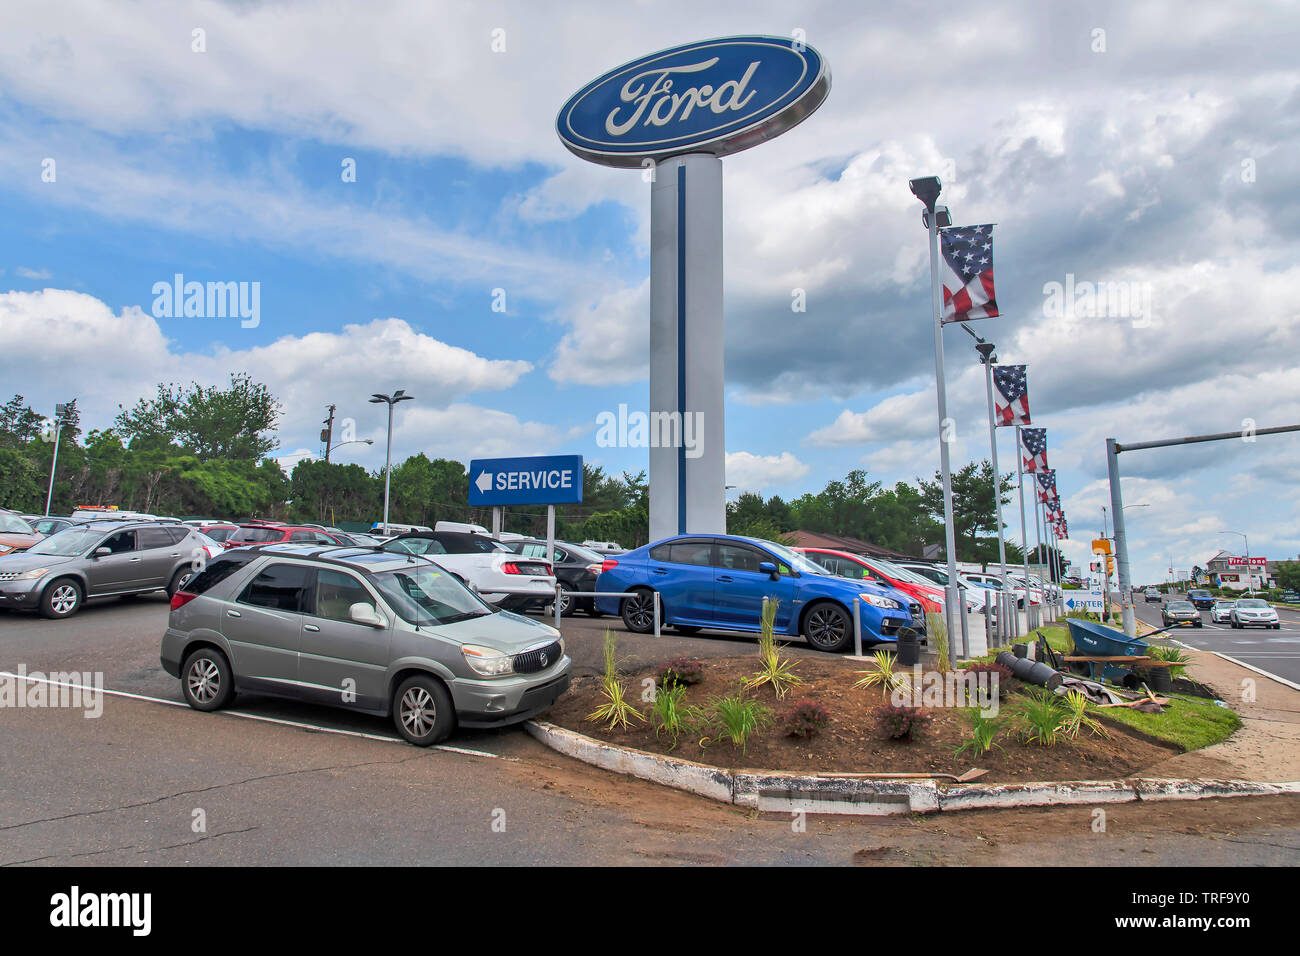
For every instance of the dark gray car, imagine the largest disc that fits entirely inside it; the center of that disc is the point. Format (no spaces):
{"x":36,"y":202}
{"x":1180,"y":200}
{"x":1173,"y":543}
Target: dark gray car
{"x":99,"y":559}
{"x":382,"y":633}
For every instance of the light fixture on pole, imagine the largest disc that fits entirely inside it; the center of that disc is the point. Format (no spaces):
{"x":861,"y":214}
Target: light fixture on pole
{"x":358,"y":441}
{"x":391,"y":400}
{"x":60,"y":414}
{"x":936,"y":217}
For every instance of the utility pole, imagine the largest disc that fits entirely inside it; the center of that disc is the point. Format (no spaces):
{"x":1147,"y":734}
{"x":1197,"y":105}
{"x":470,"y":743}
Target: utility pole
{"x":327,"y":433}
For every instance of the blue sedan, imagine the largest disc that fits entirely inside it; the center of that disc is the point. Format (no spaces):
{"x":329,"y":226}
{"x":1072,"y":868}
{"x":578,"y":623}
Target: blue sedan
{"x":720,"y":581}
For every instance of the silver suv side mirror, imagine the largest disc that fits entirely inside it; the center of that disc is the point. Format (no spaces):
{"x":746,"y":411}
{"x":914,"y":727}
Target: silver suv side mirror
{"x":362,"y":613}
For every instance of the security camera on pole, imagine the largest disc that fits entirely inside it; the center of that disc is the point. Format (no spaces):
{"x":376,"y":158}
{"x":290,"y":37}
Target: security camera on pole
{"x":967,"y":267}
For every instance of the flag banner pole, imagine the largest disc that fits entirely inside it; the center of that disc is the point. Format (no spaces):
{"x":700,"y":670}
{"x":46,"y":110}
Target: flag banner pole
{"x":997,"y":482}
{"x":1024,"y":525}
{"x":950,"y":538}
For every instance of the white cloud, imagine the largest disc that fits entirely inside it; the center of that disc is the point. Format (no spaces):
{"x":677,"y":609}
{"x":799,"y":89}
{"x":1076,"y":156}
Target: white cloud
{"x":27,"y":273}
{"x":68,"y":344}
{"x":750,"y":472}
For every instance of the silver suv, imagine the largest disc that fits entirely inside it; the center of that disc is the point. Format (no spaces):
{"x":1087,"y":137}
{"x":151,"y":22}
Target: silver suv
{"x":363,"y":629}
{"x":99,"y":559}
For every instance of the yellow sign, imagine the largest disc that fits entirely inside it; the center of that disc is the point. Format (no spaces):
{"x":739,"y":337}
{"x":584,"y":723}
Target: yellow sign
{"x":1101,"y":546}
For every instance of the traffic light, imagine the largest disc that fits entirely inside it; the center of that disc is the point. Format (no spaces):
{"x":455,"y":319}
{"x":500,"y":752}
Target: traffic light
{"x":1110,"y":564}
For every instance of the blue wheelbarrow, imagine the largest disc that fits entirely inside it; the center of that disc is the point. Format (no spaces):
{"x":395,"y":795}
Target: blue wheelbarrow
{"x":1097,"y":640}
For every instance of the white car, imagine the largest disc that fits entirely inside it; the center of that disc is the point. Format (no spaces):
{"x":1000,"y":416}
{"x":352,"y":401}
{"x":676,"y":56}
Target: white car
{"x":1252,"y":612}
{"x":978,"y":599}
{"x":483,"y":563}
{"x":1221,"y":611}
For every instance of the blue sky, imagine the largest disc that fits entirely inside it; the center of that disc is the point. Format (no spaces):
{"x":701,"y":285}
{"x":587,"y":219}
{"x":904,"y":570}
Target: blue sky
{"x":1121,"y":164}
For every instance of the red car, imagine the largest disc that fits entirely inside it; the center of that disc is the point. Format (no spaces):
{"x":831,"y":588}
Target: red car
{"x":269,"y":533}
{"x":881,"y":572}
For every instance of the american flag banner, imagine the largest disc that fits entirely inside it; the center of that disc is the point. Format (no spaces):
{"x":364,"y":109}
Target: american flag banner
{"x":967,"y":271}
{"x":1047,"y":486}
{"x":1033,"y":449}
{"x":1010,"y":395}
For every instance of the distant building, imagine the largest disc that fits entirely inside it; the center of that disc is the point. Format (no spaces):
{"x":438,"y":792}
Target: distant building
{"x":835,"y":542}
{"x":1227,"y":570}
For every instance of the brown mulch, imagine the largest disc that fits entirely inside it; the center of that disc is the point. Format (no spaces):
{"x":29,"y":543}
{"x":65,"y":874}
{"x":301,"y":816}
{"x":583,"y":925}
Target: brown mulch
{"x":851,"y":743}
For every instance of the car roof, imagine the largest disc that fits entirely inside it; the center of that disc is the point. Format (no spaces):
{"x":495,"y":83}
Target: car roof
{"x":357,"y":557}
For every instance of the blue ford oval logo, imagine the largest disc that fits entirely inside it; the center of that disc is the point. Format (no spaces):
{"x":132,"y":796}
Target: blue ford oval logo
{"x":716,"y":96}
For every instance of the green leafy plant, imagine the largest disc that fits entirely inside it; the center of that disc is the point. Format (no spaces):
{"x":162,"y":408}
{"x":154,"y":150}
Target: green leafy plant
{"x":1077,"y":719}
{"x":896,"y":722}
{"x":882,"y":673}
{"x":1041,"y":714}
{"x":774,"y":669}
{"x":1171,"y":655}
{"x":937,"y":627}
{"x":740,"y":717}
{"x":615,"y":711}
{"x":983,"y":733}
{"x":804,"y":718}
{"x":668,"y":711}
{"x":680,"y":670}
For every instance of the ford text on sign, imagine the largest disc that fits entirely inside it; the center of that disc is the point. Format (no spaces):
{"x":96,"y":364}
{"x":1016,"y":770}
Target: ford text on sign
{"x":716,"y":96}
{"x":545,"y":480}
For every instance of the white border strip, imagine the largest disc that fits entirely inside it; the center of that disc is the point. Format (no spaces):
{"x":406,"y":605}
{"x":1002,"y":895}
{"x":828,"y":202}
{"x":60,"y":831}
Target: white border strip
{"x":269,"y":720}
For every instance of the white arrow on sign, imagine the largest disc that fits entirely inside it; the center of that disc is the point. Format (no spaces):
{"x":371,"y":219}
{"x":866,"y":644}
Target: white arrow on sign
{"x":484,"y":481}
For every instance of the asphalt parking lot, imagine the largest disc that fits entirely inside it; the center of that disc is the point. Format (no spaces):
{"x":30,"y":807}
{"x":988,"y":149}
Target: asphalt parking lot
{"x":279,"y":783}
{"x":1275,"y":652}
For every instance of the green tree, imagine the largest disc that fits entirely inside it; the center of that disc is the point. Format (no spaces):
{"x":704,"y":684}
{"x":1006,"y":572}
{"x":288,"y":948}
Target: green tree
{"x":232,"y":422}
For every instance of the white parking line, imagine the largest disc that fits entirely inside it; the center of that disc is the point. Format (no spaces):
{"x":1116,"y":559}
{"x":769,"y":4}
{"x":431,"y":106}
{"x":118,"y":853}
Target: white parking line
{"x":268,"y":720}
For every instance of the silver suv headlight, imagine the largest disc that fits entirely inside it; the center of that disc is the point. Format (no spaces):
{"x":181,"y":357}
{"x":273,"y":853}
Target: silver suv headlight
{"x":31,"y":575}
{"x":488,"y":661}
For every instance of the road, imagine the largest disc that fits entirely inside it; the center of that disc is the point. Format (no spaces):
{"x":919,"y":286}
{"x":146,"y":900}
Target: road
{"x":1276,"y":652}
{"x":153,"y":782}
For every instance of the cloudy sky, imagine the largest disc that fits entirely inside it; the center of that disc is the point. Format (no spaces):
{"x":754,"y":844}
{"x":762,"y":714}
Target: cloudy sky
{"x":1149,"y":144}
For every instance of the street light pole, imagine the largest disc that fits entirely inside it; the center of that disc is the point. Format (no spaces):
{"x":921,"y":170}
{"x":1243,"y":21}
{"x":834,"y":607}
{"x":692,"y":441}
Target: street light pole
{"x":59,"y":412}
{"x":391,"y":400}
{"x":988,"y":358}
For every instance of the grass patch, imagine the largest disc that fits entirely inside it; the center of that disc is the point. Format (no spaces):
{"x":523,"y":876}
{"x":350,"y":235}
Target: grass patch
{"x":1189,"y":724}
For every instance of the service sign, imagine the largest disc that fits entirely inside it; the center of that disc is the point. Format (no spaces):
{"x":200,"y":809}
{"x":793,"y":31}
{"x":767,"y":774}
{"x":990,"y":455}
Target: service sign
{"x":544,"y":480}
{"x":715,"y":96}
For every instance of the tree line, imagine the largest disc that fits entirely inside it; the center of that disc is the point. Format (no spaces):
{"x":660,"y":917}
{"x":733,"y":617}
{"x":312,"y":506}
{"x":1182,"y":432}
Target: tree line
{"x":195,"y":451}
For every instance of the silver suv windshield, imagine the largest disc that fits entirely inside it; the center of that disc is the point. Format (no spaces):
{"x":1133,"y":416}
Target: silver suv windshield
{"x":67,"y":542}
{"x":424,"y":594}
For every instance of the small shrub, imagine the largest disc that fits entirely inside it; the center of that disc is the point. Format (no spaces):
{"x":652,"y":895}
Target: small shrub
{"x":1076,"y":717}
{"x":984,"y":732}
{"x":1041,"y":715}
{"x":1172,"y":655}
{"x":993,"y":668}
{"x":900,"y":723}
{"x":882,"y":673}
{"x":739,"y":717}
{"x":615,"y":711}
{"x":680,"y":670}
{"x":937,"y":627}
{"x":668,"y":711}
{"x":774,"y":669}
{"x":804,"y":718}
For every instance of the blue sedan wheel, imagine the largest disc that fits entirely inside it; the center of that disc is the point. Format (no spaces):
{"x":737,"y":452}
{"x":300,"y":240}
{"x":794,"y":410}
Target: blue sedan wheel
{"x":827,"y":627}
{"x":639,"y":611}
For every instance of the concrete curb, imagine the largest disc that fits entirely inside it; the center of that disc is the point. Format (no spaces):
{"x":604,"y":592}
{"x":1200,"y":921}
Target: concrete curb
{"x":784,"y":792}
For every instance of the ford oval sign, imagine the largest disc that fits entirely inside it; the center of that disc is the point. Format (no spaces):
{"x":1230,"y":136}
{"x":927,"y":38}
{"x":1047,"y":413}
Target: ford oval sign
{"x":716,"y":96}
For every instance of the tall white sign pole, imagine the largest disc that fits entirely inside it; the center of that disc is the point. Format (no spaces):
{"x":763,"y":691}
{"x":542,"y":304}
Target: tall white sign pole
{"x":686,"y":346}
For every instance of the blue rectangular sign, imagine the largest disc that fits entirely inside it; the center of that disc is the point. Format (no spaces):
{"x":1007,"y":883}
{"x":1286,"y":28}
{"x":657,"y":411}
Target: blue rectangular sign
{"x":541,"y":480}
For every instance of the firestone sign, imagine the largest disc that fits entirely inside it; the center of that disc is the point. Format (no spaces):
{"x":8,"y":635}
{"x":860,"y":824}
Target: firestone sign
{"x":716,"y":96}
